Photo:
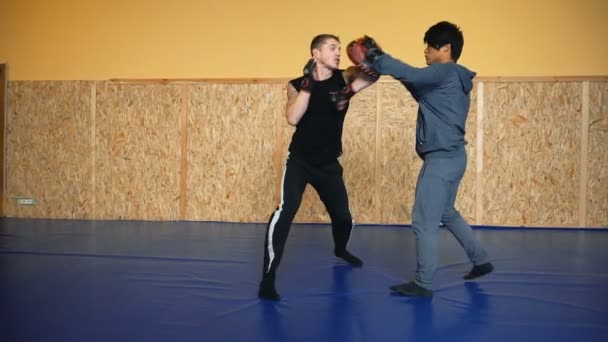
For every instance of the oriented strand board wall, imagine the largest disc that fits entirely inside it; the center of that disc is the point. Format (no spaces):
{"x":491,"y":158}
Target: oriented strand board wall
{"x":49,"y":149}
{"x":203,"y":150}
{"x":137,"y":151}
{"x":359,"y":155}
{"x":466,"y":199}
{"x":597,"y":166}
{"x":398,"y":164}
{"x":532,"y":153}
{"x":232,"y":136}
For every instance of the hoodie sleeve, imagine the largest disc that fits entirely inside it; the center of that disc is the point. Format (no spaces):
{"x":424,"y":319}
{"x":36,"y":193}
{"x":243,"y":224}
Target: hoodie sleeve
{"x":388,"y":65}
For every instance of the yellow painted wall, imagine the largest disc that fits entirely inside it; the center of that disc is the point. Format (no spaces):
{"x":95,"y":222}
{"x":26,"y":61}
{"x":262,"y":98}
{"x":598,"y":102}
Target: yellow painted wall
{"x":102,"y":39}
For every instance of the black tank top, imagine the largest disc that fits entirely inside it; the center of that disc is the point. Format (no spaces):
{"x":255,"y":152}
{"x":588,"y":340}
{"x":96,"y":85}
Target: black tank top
{"x":318,"y":135}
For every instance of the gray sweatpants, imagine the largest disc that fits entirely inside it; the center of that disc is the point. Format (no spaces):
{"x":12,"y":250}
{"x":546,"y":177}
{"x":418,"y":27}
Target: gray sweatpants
{"x":436,"y":191}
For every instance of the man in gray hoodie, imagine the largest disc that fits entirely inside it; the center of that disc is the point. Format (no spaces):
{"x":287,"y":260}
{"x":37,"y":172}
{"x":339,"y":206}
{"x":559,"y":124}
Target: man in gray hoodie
{"x":442,"y":90}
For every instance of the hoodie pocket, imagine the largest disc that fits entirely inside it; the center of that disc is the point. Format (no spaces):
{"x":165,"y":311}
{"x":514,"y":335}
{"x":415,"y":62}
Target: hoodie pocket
{"x":420,"y":128}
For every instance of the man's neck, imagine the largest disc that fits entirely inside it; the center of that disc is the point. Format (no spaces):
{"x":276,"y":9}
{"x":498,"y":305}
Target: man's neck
{"x":323,"y":73}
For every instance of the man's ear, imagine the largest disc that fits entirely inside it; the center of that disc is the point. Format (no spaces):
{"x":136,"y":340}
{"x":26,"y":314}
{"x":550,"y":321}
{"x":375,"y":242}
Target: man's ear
{"x":447,"y":48}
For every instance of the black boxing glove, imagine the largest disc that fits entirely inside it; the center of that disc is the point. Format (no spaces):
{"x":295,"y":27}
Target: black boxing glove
{"x":308,"y":81}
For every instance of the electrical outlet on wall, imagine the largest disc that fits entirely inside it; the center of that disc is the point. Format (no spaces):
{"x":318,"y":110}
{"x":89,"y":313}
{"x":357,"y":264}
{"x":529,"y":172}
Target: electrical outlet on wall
{"x":26,"y":201}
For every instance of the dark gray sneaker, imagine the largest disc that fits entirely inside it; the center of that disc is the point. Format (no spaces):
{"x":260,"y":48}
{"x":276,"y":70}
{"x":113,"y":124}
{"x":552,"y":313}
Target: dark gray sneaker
{"x":411,"y":289}
{"x":479,"y":270}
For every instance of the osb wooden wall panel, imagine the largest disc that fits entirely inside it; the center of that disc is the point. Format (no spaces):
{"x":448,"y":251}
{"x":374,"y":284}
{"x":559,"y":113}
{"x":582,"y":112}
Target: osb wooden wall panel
{"x":137,"y":151}
{"x":531,"y":153}
{"x":49,"y":149}
{"x":231,"y":142}
{"x":466,"y":198}
{"x":597,"y":166}
{"x":218,"y":150}
{"x":398,"y":163}
{"x":359,"y":155}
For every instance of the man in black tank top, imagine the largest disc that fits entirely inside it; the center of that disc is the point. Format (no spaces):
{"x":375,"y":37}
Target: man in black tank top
{"x":317,"y":104}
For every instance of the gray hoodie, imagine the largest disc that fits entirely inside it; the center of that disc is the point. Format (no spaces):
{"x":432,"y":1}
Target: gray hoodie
{"x":442,"y":92}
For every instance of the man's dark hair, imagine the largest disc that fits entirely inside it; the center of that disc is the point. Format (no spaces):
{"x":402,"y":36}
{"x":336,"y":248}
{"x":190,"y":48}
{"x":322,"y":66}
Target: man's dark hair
{"x":444,"y":33}
{"x":319,"y":40}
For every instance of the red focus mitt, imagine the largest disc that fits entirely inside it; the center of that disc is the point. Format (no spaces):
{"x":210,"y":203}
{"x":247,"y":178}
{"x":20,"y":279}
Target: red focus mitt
{"x":363,"y":52}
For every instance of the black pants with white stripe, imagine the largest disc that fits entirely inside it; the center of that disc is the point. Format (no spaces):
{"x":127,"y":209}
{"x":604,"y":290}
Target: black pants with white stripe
{"x":327,"y":180}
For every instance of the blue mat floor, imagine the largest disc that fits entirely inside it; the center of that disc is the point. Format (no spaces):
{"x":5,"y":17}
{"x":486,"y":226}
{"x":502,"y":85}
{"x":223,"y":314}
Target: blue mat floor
{"x":196,"y":281}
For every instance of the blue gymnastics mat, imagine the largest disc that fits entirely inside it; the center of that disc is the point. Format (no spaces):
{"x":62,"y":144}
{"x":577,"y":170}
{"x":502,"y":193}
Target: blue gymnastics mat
{"x":197,"y":281}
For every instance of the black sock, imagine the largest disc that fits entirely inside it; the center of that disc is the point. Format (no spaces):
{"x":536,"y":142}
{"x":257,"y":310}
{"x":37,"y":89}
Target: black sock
{"x":349,"y":258}
{"x":268,"y":291}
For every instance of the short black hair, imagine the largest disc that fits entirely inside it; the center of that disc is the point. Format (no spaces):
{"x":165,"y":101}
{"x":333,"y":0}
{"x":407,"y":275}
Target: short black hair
{"x":319,"y":40}
{"x":444,"y":33}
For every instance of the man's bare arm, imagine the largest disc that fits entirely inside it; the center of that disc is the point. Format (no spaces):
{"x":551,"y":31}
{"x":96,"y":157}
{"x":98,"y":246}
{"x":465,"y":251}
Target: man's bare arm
{"x":297,"y":103}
